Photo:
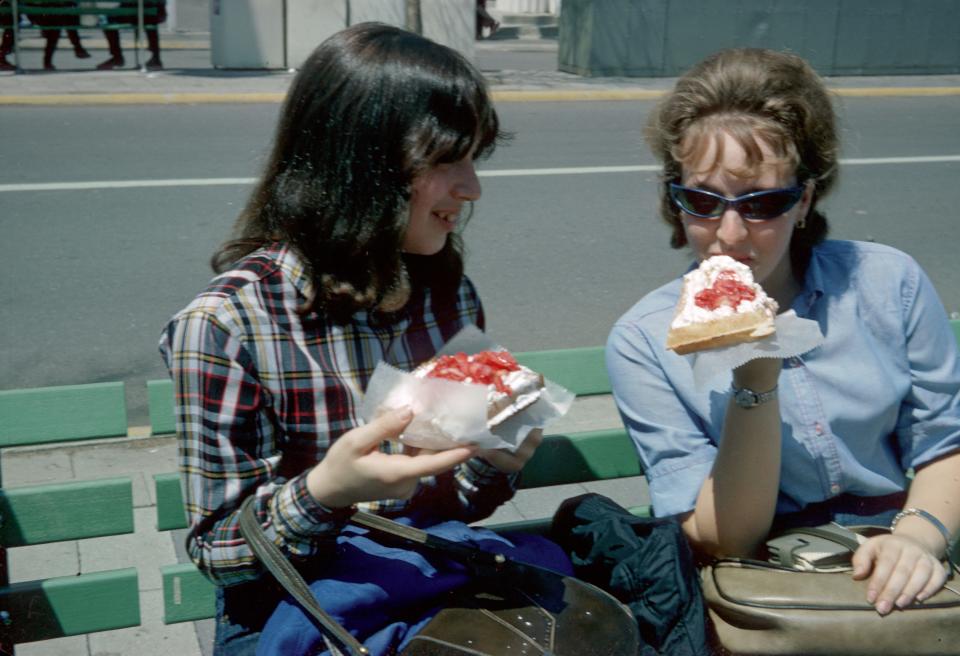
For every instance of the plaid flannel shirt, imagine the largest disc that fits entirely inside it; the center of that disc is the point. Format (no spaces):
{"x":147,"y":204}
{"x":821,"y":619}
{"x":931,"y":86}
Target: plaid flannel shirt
{"x":261,"y":392}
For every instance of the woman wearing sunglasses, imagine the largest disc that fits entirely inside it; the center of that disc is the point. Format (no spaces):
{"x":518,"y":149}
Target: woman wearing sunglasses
{"x":749,"y":146}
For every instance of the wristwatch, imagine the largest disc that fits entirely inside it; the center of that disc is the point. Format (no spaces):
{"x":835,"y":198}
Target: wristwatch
{"x":747,"y":398}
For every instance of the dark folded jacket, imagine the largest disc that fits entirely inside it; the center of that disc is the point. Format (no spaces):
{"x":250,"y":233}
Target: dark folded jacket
{"x":646,"y":563}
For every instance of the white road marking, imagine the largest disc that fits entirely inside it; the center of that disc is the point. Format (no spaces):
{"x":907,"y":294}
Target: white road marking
{"x":496,"y":173}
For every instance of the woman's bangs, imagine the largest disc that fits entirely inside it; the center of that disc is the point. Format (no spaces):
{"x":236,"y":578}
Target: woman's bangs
{"x":449,"y":135}
{"x":702,"y":149}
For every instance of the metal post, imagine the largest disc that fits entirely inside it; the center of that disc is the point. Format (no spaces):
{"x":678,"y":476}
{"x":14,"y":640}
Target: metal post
{"x":136,"y":39}
{"x":15,"y":18}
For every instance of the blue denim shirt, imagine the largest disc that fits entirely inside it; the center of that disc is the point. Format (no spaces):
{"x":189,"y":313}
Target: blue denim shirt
{"x":881,"y":395}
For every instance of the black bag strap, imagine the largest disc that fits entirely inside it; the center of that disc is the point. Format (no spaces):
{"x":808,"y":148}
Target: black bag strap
{"x":286,"y":574}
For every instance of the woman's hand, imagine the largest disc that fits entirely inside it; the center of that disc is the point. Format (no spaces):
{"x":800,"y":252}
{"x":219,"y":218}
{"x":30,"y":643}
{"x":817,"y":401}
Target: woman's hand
{"x":510,"y":463}
{"x":901,"y":570}
{"x":355,"y":470}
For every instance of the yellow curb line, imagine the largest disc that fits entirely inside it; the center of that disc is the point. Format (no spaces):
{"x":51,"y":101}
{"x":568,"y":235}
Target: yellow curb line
{"x":141,"y":98}
{"x":550,"y":95}
{"x":498,"y":96}
{"x":876,"y":92}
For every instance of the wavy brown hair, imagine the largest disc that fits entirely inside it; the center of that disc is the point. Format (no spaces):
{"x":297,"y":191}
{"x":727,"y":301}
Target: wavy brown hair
{"x":751,"y":94}
{"x":371,"y":108}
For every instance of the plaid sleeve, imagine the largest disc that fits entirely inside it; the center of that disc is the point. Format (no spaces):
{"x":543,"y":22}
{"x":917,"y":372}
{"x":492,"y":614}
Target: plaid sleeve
{"x":228,"y":451}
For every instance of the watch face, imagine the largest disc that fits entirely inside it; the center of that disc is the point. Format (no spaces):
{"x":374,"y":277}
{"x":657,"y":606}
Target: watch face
{"x":745,"y":398}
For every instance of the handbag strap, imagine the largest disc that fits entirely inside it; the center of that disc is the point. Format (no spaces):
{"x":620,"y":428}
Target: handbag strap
{"x":832,"y":532}
{"x":479,"y":562}
{"x":286,"y":574}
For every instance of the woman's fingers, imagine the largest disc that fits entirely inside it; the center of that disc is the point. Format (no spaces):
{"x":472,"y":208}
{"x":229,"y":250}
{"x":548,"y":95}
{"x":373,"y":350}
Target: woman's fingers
{"x":937,"y":580}
{"x":901,"y":572}
{"x":387,"y":426}
{"x":916,"y":581}
{"x":431,"y":463}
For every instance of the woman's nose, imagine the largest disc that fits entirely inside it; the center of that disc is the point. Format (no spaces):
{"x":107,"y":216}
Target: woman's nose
{"x":732,"y":228}
{"x":466,"y":184}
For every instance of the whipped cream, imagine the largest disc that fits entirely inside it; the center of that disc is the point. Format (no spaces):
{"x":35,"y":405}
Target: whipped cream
{"x":704,"y":277}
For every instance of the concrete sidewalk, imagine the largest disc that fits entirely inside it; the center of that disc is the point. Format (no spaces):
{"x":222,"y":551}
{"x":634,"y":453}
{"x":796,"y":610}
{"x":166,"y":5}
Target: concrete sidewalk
{"x":516,"y":69}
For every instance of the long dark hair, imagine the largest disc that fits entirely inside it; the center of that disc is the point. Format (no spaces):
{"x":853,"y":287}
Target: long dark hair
{"x":371,"y":108}
{"x":751,"y":93}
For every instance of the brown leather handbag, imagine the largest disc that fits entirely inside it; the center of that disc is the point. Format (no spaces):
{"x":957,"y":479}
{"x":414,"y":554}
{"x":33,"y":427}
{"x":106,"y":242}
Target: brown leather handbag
{"x":807,"y":603}
{"x":510,"y":608}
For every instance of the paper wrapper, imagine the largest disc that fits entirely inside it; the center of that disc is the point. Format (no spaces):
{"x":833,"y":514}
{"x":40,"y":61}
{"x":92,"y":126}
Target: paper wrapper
{"x":794,"y":336}
{"x":449,"y":414}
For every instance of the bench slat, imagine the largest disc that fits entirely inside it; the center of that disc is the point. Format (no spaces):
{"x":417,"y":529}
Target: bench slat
{"x":160,"y":405}
{"x":187,"y":594}
{"x":71,"y":605}
{"x":62,"y":414}
{"x":66,"y":511}
{"x":580,"y":370}
{"x":561,"y":459}
{"x":170,"y":511}
{"x":581,"y":457}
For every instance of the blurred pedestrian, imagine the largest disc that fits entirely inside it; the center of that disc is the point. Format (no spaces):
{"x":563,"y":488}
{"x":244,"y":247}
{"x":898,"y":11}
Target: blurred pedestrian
{"x":485,"y":20}
{"x":151,"y":23}
{"x":6,"y":41}
{"x":52,"y":36}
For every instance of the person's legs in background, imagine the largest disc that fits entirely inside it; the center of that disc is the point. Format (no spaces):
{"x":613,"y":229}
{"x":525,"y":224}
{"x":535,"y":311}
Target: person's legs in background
{"x":6,"y":47}
{"x":153,"y":43}
{"x":116,"y":54}
{"x":78,"y":50}
{"x":50,"y":46}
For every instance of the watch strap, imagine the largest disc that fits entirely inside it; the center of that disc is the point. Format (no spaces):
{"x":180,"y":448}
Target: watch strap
{"x":748,"y":398}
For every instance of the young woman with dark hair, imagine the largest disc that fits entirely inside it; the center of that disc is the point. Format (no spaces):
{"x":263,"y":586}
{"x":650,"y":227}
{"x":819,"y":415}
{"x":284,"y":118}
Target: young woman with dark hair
{"x":347,"y":255}
{"x":749,"y":146}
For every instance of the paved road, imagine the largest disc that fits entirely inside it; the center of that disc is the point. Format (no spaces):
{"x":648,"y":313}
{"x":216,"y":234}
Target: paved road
{"x":91,"y":275}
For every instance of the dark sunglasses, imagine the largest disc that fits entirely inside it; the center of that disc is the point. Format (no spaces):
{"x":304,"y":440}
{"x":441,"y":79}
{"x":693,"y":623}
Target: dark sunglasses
{"x":756,"y":206}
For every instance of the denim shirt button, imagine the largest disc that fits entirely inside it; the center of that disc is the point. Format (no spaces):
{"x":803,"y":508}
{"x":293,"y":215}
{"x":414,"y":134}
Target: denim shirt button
{"x":818,"y":428}
{"x":835,"y":488}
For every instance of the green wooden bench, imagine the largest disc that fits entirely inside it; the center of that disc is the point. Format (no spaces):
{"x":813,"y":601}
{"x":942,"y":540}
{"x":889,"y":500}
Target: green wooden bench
{"x":96,"y":601}
{"x":137,"y":17}
{"x":99,"y":601}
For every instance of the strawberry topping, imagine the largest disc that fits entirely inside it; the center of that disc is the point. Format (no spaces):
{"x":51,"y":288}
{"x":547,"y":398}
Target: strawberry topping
{"x":484,"y":368}
{"x":726,"y":290}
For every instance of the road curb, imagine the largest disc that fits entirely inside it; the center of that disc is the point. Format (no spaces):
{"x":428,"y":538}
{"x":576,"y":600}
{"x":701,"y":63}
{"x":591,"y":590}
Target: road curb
{"x":499,"y":95}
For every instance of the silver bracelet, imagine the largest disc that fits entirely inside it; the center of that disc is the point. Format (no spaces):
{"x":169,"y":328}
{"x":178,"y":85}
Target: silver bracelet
{"x":927,"y":516}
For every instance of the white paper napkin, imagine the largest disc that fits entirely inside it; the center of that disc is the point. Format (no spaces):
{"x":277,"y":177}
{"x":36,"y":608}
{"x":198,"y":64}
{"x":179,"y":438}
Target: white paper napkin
{"x":794,"y":336}
{"x":449,"y":414}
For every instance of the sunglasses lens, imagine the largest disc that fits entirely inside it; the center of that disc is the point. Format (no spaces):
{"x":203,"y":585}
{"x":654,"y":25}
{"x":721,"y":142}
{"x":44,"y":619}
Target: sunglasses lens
{"x":770,"y":205}
{"x":698,"y":203}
